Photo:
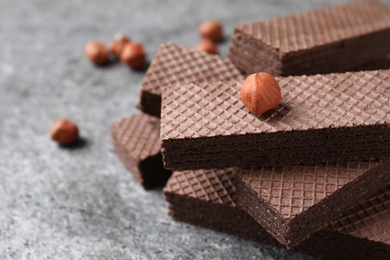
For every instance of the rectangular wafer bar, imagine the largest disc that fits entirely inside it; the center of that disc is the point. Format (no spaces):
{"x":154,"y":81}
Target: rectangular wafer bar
{"x":174,"y":64}
{"x":294,"y":202}
{"x":136,"y":142}
{"x":331,"y":39}
{"x":331,"y":117}
{"x":361,"y":233}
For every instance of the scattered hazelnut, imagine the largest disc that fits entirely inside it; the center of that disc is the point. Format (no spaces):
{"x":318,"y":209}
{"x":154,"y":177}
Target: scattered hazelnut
{"x":260,"y":92}
{"x":96,"y":52}
{"x":118,"y":43}
{"x":207,"y":46}
{"x":211,"y":30}
{"x":133,"y":55}
{"x":64,"y":131}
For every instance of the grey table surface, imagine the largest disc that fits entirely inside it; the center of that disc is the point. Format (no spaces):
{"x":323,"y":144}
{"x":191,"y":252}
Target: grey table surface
{"x":81,"y":203}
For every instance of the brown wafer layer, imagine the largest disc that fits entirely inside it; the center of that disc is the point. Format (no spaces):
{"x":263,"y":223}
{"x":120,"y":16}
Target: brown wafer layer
{"x":173,"y":64}
{"x":361,"y":233}
{"x":374,"y":64}
{"x":294,"y":202}
{"x":332,"y":39}
{"x":136,"y":142}
{"x":332,"y":117}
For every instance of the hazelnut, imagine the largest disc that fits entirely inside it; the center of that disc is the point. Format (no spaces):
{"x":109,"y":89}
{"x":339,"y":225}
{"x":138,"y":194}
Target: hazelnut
{"x":96,"y":52}
{"x":260,"y":92}
{"x":64,"y":131}
{"x":207,"y":46}
{"x":118,"y":43}
{"x":133,"y":55}
{"x":211,"y":30}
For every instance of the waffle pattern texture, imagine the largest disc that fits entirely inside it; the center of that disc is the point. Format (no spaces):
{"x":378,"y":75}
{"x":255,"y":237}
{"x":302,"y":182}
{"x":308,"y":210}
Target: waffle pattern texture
{"x":212,"y":186}
{"x":207,"y":198}
{"x":360,"y":233}
{"x":332,"y":39}
{"x":286,"y":198}
{"x":173,"y":64}
{"x":136,"y":142}
{"x":320,"y":118}
{"x":369,"y":220}
{"x":363,"y":231}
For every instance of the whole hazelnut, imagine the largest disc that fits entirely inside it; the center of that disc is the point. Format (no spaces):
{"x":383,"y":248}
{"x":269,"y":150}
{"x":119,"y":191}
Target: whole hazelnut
{"x":118,"y":43}
{"x":96,"y":52}
{"x":64,"y":131}
{"x":260,"y":92}
{"x":211,"y":30}
{"x":133,"y":55}
{"x":207,"y":46}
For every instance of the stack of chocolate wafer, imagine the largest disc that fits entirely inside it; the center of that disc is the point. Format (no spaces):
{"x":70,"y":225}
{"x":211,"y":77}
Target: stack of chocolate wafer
{"x":137,"y":138}
{"x":311,"y":175}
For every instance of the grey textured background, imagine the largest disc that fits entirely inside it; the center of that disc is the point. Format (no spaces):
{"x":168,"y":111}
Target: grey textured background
{"x":81,"y":203}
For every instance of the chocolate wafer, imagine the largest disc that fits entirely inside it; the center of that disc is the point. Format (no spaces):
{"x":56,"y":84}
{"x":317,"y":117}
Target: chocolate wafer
{"x":361,"y":233}
{"x":294,"y":202}
{"x":173,"y":64}
{"x":331,"y":39}
{"x":207,"y":198}
{"x":332,"y":117}
{"x":136,"y":142}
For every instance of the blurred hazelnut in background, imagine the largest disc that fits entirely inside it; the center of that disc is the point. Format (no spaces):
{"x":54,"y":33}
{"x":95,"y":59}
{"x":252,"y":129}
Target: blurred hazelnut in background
{"x":211,"y":29}
{"x":207,"y":46}
{"x":117,"y":45}
{"x":96,"y":52}
{"x":64,"y":132}
{"x":133,"y":55}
